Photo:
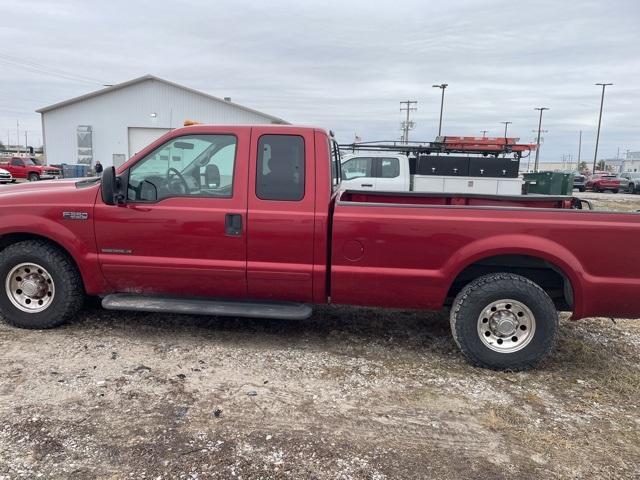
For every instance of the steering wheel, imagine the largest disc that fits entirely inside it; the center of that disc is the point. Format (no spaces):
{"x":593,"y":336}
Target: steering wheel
{"x":175,"y":172}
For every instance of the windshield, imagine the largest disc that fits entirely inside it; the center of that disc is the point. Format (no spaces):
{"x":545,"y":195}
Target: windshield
{"x":29,"y":161}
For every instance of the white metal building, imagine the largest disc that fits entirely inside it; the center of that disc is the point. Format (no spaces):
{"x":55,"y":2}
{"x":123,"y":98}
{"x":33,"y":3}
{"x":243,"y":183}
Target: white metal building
{"x":113,"y":123}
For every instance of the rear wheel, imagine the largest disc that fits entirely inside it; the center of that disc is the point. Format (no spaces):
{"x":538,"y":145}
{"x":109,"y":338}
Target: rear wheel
{"x":504,"y":322}
{"x":40,"y":285}
{"x":33,"y":177}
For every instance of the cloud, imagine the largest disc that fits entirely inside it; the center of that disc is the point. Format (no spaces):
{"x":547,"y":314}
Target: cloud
{"x":346,"y":65}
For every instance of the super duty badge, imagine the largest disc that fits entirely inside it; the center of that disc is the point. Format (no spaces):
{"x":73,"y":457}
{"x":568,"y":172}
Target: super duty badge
{"x":75,"y":215}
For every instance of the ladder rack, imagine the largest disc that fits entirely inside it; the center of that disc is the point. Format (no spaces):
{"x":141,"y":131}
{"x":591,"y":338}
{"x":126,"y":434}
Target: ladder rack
{"x":485,"y":146}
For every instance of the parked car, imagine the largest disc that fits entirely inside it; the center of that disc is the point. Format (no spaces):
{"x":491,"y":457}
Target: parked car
{"x":601,"y":182}
{"x":579,"y":181}
{"x":634,"y":181}
{"x":5,"y":176}
{"x":251,"y":221}
{"x":624,"y":183}
{"x":29,"y":169}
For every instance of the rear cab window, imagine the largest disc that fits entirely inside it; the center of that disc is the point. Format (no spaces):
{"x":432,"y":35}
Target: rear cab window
{"x":280,"y":168}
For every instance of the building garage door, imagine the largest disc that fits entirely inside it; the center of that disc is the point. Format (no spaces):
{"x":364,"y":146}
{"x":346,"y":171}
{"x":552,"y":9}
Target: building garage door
{"x":141,"y":137}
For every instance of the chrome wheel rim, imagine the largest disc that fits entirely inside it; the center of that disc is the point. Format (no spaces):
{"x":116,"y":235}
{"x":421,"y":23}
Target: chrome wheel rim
{"x":30,"y":287}
{"x":506,"y":326}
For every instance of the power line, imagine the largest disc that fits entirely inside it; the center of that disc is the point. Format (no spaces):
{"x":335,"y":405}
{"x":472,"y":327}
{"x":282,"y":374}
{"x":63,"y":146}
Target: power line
{"x":9,"y":60}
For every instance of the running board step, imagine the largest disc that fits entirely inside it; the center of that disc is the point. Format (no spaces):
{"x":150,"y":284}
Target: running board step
{"x":199,"y":306}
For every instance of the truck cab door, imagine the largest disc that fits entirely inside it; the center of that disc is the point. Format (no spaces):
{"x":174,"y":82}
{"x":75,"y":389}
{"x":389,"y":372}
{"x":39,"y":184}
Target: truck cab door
{"x":281,"y":214}
{"x":19,"y":170}
{"x":182,"y":229}
{"x":358,"y":173}
{"x":389,"y":174}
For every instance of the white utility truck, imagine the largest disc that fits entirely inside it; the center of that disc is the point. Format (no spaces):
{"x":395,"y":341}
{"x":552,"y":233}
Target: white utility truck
{"x":449,"y":165}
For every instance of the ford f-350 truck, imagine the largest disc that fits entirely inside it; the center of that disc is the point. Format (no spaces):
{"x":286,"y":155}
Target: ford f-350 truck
{"x":251,"y":221}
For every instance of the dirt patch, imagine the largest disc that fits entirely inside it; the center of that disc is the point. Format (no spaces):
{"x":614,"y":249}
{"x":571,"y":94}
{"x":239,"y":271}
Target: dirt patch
{"x":350,"y":393}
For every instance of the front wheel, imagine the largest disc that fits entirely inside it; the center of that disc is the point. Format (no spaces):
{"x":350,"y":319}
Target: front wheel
{"x":33,"y":177}
{"x":504,"y":322}
{"x":581,"y":189}
{"x":615,"y":190}
{"x":40,"y":286}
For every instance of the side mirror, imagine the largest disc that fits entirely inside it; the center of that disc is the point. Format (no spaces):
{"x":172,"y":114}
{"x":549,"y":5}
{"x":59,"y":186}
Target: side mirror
{"x":110,"y":188}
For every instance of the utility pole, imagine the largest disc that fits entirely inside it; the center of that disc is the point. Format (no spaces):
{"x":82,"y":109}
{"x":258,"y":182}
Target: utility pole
{"x":26,"y":144}
{"x":506,"y":124}
{"x":579,"y":149}
{"x":535,"y":165}
{"x":407,"y":124}
{"x":18,"y":135}
{"x":442,"y":86}
{"x":595,"y":155}
{"x":484,"y":133}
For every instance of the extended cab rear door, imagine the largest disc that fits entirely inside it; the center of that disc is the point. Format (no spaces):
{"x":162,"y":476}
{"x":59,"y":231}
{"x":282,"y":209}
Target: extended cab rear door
{"x":280,"y":217}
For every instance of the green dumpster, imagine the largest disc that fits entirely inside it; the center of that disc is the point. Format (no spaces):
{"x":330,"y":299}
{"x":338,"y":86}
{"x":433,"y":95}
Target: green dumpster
{"x":567,"y":183}
{"x":548,"y":183}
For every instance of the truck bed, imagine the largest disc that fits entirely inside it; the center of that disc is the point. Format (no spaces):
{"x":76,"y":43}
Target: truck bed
{"x":408,"y":249}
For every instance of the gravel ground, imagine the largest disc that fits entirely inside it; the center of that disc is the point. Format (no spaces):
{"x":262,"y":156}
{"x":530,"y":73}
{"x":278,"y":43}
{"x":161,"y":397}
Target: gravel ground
{"x":351,"y":393}
{"x":622,"y":202}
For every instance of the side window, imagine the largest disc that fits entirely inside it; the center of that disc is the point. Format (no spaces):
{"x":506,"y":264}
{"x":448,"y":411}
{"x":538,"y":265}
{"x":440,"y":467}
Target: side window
{"x":280,"y":174}
{"x":357,"y":167}
{"x":16,"y":162}
{"x":389,"y":167}
{"x":192,"y":165}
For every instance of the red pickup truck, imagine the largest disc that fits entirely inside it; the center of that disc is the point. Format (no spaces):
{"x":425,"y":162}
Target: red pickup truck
{"x":29,"y":169}
{"x":251,"y":221}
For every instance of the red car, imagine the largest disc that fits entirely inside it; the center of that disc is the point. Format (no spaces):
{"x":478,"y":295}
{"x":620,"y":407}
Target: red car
{"x":250,"y":221}
{"x":602,"y":182}
{"x":29,"y":169}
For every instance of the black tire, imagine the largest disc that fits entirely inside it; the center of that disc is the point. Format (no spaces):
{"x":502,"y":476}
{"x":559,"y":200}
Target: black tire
{"x":477,"y":295}
{"x":33,"y":177}
{"x":581,"y":189}
{"x":69,"y":290}
{"x":615,"y":190}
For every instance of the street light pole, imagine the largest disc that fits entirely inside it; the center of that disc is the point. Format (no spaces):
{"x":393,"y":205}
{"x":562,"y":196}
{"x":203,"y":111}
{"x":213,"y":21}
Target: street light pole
{"x":484,"y":133}
{"x":442,"y":86}
{"x":595,"y":155}
{"x":535,"y":165}
{"x":506,"y":124}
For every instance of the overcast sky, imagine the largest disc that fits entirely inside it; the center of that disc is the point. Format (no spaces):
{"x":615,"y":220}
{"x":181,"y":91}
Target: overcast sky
{"x":345,"y":65}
